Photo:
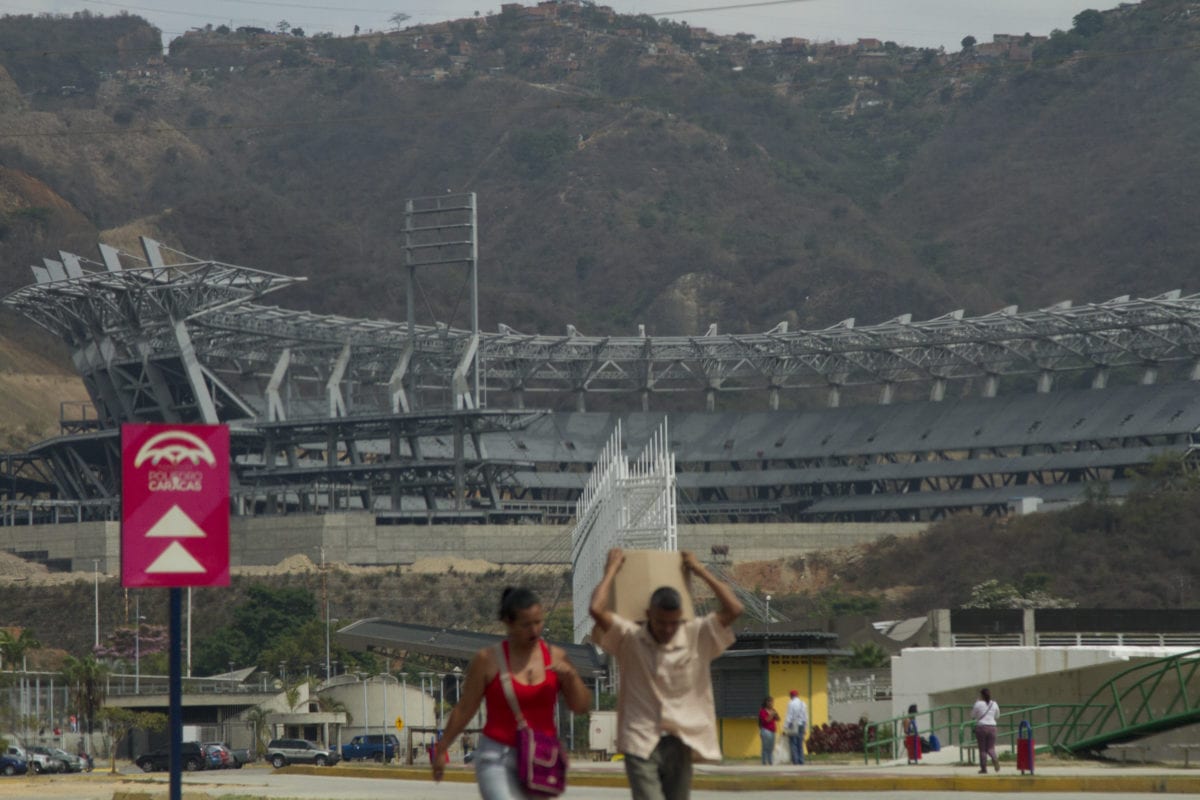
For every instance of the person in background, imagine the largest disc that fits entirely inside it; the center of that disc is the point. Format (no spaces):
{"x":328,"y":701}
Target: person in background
{"x":795,"y":723}
{"x":540,"y":672}
{"x":768,"y":718}
{"x":666,"y":717}
{"x":985,"y":712}
{"x":912,"y":736}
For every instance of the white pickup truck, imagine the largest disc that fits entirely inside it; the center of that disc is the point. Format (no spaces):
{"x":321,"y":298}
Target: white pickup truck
{"x":38,"y":762}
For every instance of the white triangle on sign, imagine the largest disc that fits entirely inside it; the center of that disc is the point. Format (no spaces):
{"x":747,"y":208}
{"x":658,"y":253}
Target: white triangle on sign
{"x":176,"y":524}
{"x":175,"y":558}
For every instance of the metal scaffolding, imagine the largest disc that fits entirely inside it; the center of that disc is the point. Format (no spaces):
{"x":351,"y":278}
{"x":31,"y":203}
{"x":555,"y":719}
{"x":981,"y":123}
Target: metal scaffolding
{"x":424,"y":422}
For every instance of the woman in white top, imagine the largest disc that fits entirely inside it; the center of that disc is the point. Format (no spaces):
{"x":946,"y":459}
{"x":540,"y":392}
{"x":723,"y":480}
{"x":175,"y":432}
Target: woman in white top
{"x":984,"y":712}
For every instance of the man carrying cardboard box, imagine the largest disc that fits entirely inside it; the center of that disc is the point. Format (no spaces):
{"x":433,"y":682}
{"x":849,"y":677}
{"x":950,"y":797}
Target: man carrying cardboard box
{"x":665,"y":711}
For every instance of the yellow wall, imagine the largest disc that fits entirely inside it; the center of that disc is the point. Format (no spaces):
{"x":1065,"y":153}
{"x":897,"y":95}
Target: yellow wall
{"x":808,"y":675}
{"x":740,"y":739}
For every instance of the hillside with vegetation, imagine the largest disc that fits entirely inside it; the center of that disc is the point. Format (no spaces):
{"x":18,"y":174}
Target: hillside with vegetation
{"x":1141,"y":553}
{"x":628,"y":169}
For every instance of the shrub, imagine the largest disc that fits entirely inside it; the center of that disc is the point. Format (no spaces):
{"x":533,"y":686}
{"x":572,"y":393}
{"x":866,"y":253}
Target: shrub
{"x":836,"y":737}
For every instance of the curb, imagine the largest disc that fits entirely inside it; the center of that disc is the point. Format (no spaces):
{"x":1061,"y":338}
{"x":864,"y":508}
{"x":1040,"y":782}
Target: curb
{"x":1133,"y":784}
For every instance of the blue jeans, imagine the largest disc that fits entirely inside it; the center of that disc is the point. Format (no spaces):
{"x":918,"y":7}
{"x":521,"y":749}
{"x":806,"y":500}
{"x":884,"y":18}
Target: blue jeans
{"x":796,"y":744}
{"x":768,"y":745}
{"x":496,"y":771}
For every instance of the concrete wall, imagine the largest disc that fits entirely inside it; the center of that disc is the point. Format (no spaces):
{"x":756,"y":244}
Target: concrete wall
{"x":854,"y":710}
{"x":385,"y":700}
{"x":81,"y":542}
{"x":1017,"y":676}
{"x":356,"y":539}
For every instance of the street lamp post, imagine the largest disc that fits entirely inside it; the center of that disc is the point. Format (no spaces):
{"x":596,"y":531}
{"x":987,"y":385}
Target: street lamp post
{"x":137,"y":644}
{"x":768,"y":614}
{"x":96,"y":586}
{"x":325,"y":591}
{"x":362,"y":676}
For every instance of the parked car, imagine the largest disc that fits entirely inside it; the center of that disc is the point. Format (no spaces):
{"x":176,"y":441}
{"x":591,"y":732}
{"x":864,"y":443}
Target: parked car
{"x":281,"y":752}
{"x":227,"y":760}
{"x":213,"y":758}
{"x":191,"y":754}
{"x":240,"y":756}
{"x":38,"y":762}
{"x":11,"y":765}
{"x":373,"y":746}
{"x":70,"y":762}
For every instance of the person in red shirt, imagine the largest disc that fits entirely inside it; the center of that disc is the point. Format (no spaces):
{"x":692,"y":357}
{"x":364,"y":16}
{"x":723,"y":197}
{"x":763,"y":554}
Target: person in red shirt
{"x":768,"y":720}
{"x":539,"y":673}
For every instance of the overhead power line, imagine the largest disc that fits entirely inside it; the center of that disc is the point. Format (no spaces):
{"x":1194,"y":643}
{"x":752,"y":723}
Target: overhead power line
{"x":731,"y":7}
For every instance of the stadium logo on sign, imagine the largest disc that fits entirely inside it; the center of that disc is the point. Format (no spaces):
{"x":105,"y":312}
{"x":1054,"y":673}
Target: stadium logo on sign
{"x":175,"y":447}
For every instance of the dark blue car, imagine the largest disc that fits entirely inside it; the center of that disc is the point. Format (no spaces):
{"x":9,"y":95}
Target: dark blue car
{"x":10,"y":765}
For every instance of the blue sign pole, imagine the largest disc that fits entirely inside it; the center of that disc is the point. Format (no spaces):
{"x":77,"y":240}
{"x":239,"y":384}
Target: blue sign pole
{"x":175,"y":697}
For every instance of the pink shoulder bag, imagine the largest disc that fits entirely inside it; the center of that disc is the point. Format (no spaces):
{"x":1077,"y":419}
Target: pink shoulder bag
{"x":541,"y":761}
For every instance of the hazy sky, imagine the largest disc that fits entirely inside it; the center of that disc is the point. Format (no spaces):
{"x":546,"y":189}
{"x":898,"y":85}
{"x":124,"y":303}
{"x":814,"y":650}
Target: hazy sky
{"x":912,"y":22}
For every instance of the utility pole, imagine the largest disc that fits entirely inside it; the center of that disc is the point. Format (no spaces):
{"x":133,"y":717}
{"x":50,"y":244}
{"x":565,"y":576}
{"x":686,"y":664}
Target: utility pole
{"x":325,"y":600}
{"x":96,"y":585}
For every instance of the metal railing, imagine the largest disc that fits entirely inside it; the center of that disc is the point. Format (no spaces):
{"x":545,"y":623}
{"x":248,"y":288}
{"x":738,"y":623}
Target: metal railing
{"x":1049,"y":718}
{"x":885,"y":739}
{"x":1147,"y":698}
{"x":848,"y":690}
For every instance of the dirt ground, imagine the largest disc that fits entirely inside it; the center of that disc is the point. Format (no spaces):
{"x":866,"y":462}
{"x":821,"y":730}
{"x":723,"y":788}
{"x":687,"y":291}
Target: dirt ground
{"x":779,"y":576}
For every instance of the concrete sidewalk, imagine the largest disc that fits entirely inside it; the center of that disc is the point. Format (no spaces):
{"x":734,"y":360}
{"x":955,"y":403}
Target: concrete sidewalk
{"x":1056,"y":776}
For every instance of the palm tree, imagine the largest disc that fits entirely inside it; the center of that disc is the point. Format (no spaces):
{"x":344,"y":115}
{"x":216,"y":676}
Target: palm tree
{"x":328,"y":704}
{"x":257,"y":717}
{"x":291,"y":694}
{"x":87,"y":678}
{"x":15,"y":648}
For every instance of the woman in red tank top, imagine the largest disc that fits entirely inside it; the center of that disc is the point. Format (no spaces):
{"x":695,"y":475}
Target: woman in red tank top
{"x":539,"y":673}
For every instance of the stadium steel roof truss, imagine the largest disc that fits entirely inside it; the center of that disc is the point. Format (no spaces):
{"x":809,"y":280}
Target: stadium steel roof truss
{"x":319,"y":400}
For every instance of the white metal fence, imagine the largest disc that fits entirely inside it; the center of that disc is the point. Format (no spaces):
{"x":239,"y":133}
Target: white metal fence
{"x":623,"y":505}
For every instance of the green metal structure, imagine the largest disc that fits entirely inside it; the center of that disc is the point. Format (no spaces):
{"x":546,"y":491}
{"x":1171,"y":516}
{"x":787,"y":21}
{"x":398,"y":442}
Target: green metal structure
{"x":1149,"y":698}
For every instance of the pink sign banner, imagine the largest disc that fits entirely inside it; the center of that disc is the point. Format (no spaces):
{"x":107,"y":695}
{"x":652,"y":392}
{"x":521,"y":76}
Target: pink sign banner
{"x":174,"y":505}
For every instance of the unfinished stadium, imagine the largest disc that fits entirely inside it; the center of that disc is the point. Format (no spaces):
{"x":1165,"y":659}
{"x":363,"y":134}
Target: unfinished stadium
{"x":903,"y":420}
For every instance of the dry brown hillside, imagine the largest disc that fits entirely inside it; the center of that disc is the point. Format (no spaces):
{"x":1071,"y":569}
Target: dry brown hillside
{"x":37,"y":384}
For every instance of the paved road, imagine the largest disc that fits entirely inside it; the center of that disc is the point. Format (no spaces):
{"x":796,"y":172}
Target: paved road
{"x":267,"y":783}
{"x":850,"y":781}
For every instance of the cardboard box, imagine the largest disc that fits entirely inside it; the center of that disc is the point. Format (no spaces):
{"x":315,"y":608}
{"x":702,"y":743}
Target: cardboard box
{"x":642,"y":573}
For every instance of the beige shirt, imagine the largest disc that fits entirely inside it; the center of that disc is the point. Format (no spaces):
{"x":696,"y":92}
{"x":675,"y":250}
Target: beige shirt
{"x":666,"y":688}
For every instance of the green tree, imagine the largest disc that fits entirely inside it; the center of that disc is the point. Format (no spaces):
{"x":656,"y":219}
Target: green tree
{"x":995,"y":594}
{"x":121,"y":721}
{"x":1168,"y":472}
{"x":537,"y":151}
{"x":257,"y":717}
{"x":866,"y":655}
{"x":260,"y":625}
{"x":15,"y":648}
{"x":291,"y":693}
{"x":86,"y":676}
{"x":328,"y":705}
{"x":1088,"y":23}
{"x":968,"y":42}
